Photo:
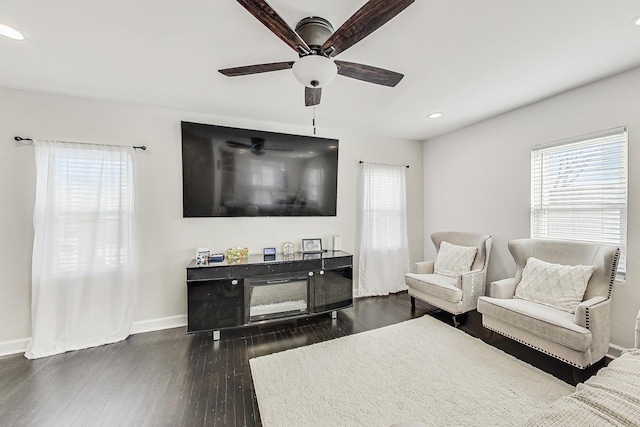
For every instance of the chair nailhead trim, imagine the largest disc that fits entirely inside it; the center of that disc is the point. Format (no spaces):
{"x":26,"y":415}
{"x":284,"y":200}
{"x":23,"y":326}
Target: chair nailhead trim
{"x":616,"y":258}
{"x":484,"y":246}
{"x":587,"y":318}
{"x":537,"y":348}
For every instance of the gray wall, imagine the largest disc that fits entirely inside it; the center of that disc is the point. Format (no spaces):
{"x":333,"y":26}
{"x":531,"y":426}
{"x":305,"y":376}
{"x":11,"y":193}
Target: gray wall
{"x":478,"y":178}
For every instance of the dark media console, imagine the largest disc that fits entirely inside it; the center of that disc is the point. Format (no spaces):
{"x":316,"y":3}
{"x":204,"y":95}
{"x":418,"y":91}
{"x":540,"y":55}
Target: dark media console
{"x":225,"y":294}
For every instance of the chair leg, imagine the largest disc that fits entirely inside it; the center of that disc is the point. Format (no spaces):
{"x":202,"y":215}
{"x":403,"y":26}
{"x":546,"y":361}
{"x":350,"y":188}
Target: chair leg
{"x":459,"y":319}
{"x":413,"y":303}
{"x":456,"y":323}
{"x":579,"y":375}
{"x":490,"y":334}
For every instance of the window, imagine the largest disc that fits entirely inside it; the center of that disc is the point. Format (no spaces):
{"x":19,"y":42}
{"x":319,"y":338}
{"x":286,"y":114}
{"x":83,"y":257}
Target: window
{"x":385,"y":205}
{"x":89,"y":207}
{"x":83,"y":270}
{"x":384,"y":243}
{"x":579,"y":190}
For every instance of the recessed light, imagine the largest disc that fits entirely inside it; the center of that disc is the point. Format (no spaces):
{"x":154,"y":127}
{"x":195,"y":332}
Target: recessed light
{"x":10,"y":32}
{"x":435,"y":115}
{"x":637,"y":21}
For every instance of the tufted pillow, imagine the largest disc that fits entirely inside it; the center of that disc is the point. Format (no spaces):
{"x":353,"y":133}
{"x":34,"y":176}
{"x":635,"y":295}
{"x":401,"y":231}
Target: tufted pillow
{"x":453,"y":259}
{"x":555,"y":285}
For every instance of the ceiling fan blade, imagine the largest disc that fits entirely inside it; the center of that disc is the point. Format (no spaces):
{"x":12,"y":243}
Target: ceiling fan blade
{"x":255,"y":69}
{"x":237,"y":144}
{"x":370,"y":17}
{"x":312,"y":96}
{"x":367,"y":73}
{"x":265,"y":14}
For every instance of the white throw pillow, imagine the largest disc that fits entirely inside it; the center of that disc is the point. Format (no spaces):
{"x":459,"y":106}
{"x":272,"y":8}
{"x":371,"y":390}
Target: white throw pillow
{"x":555,"y":285}
{"x":453,"y":259}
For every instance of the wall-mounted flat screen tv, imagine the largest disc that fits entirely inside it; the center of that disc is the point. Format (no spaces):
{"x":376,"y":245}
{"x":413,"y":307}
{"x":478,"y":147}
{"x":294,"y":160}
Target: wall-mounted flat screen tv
{"x":230,"y":172}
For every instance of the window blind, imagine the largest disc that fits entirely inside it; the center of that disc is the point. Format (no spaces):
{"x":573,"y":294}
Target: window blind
{"x":385,"y":204}
{"x":90,"y":207}
{"x":579,"y":190}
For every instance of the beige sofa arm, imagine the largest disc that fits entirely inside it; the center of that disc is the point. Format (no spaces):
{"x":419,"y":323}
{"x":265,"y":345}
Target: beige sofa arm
{"x":595,"y":315}
{"x":503,"y":289}
{"x":471,"y":279}
{"x":424,"y":267}
{"x":584,"y":310}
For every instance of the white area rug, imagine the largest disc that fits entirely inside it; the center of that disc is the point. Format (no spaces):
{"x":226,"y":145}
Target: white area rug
{"x":420,"y":370}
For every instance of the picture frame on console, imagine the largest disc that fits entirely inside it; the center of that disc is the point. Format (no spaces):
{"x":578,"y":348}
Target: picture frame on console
{"x":311,"y":246}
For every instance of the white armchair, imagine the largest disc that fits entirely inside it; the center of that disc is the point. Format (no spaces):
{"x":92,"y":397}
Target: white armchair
{"x":581,"y":338}
{"x":456,"y":293}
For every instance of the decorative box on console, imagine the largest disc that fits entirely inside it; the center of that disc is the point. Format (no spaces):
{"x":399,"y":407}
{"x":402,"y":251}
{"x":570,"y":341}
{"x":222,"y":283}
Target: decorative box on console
{"x":202,"y":256}
{"x":237,"y":254}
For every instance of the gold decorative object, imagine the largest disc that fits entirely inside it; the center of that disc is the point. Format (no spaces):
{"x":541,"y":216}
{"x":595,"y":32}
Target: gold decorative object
{"x":288,"y":248}
{"x":238,"y":261}
{"x":237,"y":254}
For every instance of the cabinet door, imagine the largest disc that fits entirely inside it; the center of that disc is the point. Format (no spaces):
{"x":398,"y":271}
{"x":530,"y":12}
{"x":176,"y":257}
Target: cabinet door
{"x":333,"y":289}
{"x":215,"y":304}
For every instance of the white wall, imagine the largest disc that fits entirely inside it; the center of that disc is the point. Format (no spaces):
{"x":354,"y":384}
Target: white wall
{"x":478,"y":178}
{"x":166,"y":240}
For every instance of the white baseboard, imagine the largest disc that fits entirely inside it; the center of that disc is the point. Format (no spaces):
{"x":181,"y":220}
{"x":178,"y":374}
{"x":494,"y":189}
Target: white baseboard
{"x":8,"y":348}
{"x":159,"y":324}
{"x":14,"y":346}
{"x":615,"y":351}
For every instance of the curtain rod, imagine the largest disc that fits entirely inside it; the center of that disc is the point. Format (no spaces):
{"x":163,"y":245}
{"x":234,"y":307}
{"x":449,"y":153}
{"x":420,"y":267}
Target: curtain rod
{"x":386,"y":164}
{"x":20,"y":139}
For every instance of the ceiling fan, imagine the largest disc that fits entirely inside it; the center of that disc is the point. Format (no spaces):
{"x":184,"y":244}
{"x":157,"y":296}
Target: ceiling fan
{"x":256,"y":146}
{"x":317,"y":43}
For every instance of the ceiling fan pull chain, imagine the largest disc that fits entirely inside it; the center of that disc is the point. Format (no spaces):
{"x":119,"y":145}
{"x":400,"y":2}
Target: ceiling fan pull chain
{"x":313,"y":121}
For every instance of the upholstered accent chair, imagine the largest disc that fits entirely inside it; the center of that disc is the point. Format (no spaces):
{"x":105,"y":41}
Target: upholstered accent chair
{"x":456,"y":278}
{"x":577,"y":335}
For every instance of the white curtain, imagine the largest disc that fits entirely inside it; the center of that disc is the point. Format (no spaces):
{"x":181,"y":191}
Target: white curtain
{"x":83,"y":284}
{"x":384,"y":247}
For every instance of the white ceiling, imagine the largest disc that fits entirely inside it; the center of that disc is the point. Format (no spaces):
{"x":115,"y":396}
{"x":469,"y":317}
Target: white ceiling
{"x":471,"y":59}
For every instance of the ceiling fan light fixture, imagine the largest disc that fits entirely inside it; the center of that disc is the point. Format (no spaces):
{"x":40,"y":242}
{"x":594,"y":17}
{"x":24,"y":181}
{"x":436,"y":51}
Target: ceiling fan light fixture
{"x":12,"y":33}
{"x":315,"y":71}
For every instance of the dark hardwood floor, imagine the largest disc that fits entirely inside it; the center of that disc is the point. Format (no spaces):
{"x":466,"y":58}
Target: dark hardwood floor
{"x":169,"y":378}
